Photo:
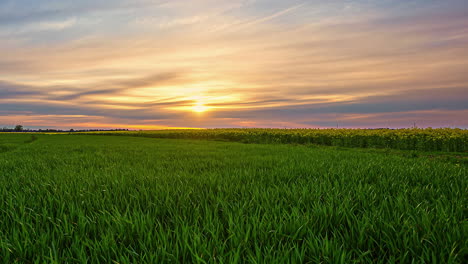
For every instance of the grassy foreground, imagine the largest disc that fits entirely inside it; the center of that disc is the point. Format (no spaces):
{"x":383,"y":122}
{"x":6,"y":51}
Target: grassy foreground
{"x":89,"y":199}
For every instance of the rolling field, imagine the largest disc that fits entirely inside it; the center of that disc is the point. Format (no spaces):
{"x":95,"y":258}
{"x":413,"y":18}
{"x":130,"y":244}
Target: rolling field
{"x":429,"y":139}
{"x":121,"y":199}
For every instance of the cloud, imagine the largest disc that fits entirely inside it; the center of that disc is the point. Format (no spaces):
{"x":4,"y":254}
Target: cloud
{"x":10,"y":90}
{"x":32,"y":11}
{"x":114,"y":87}
{"x":264,"y":19}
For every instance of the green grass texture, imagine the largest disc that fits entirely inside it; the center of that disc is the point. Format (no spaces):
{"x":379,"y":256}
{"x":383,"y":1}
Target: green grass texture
{"x":116,"y":199}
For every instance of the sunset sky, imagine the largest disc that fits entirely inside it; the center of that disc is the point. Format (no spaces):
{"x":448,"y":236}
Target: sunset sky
{"x":150,"y":64}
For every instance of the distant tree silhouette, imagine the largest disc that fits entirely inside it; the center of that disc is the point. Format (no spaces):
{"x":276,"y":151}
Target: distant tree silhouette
{"x":18,"y":128}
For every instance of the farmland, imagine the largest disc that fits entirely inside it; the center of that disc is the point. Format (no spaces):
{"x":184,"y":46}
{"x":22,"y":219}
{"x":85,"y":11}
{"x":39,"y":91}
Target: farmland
{"x":442,"y":139}
{"x":176,"y":197}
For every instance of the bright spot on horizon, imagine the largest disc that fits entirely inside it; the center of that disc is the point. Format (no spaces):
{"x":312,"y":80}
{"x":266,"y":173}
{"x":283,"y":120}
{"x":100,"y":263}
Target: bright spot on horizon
{"x":199,"y":108}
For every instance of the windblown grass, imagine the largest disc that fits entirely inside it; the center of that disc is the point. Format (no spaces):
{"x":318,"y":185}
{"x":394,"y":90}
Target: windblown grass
{"x":88,"y":199}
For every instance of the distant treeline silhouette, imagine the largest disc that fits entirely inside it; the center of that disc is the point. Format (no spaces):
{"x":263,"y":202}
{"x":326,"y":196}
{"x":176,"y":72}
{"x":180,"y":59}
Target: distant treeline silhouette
{"x":20,"y":128}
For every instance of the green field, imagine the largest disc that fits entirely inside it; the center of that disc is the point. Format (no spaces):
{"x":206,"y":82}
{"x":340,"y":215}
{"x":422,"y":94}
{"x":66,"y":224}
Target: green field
{"x":428,"y":139}
{"x":120,"y":199}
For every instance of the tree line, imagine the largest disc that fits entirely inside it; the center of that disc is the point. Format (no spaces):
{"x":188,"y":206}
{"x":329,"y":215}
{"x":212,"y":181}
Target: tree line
{"x":20,"y":128}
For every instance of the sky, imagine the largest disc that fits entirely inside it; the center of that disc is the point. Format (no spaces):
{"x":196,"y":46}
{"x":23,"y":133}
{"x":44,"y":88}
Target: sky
{"x":156,"y":64}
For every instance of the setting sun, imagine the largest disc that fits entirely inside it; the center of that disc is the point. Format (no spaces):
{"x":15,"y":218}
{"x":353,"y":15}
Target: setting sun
{"x":199,"y":108}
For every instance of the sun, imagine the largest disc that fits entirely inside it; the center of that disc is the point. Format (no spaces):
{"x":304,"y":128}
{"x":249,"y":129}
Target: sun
{"x":199,"y":108}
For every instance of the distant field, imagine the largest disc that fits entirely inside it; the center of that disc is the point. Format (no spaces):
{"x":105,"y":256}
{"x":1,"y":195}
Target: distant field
{"x":120,"y":199}
{"x":444,"y":139}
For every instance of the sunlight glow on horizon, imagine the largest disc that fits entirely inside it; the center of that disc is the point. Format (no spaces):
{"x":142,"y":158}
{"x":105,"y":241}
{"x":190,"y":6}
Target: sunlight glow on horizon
{"x":199,"y":108}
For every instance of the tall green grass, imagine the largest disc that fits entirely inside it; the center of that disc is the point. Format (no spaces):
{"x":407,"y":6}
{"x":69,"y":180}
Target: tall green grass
{"x":88,"y":199}
{"x":11,"y":141}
